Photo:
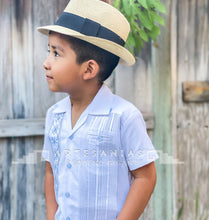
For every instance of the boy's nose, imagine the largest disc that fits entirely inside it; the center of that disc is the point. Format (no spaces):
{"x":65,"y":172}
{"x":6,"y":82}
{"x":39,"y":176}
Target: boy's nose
{"x":46,"y":64}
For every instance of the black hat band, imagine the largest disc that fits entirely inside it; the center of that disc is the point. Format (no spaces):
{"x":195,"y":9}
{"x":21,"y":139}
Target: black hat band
{"x":88,"y":27}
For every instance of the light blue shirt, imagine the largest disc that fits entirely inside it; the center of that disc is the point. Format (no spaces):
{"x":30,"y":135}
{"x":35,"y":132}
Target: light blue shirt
{"x":91,"y":163}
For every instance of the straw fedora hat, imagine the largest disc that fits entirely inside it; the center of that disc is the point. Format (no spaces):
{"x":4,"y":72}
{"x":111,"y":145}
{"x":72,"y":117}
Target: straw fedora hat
{"x":96,"y":22}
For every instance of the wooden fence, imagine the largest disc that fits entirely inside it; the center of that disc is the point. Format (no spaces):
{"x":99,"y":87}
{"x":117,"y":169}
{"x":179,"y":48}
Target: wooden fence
{"x":154,"y":85}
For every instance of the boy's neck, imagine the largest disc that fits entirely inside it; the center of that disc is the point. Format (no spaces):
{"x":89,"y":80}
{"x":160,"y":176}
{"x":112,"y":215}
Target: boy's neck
{"x":84,"y":97}
{"x":79,"y":103}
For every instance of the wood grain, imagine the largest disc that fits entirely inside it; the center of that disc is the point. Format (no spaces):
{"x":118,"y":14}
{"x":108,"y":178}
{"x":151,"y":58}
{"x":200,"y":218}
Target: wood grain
{"x":22,"y":127}
{"x":23,"y":106}
{"x":192,"y":119}
{"x":6,"y":110}
{"x":196,"y":91}
{"x":162,"y":135}
{"x":135,"y":83}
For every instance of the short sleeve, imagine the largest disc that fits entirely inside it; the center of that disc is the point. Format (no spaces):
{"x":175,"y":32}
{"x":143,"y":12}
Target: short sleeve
{"x":47,"y":151}
{"x":136,"y":144}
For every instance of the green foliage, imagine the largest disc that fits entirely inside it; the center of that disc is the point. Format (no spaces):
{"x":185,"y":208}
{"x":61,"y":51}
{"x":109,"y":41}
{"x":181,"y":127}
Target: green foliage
{"x":143,"y":18}
{"x":180,"y":211}
{"x":196,"y":203}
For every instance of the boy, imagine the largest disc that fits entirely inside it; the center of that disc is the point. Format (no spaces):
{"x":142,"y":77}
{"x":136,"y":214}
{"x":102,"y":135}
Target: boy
{"x":99,"y":158}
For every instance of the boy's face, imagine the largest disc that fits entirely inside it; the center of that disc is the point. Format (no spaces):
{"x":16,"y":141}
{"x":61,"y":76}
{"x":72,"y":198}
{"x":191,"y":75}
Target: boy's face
{"x":62,"y":72}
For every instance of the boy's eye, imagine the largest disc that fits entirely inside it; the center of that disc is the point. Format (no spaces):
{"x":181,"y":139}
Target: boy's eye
{"x":48,"y":50}
{"x":56,"y":54}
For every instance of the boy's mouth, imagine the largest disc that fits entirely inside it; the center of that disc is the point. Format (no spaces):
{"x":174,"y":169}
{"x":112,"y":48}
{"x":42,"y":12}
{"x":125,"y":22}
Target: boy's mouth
{"x":49,"y":77}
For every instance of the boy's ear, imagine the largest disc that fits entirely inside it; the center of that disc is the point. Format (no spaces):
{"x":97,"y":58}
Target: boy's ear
{"x":91,"y":69}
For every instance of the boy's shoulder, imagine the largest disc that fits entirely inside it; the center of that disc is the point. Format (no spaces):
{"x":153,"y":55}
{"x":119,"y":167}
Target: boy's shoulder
{"x":122,"y":105}
{"x":125,"y":108}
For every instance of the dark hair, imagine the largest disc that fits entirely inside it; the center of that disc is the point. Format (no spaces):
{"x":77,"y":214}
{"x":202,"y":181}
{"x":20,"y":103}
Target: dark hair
{"x":86,"y":51}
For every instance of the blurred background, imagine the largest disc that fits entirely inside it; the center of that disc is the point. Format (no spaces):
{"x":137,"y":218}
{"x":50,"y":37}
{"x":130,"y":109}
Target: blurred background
{"x":169,"y":83}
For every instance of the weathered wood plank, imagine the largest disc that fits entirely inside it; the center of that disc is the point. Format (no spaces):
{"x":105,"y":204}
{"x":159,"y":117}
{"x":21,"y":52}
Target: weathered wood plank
{"x":149,"y":120}
{"x":135,"y":83}
{"x":162,"y":135}
{"x":60,"y":6}
{"x":174,"y":64}
{"x":35,"y":127}
{"x":192,"y":138}
{"x":22,"y":127}
{"x":5,"y":62}
{"x":40,"y":209}
{"x":23,"y":106}
{"x":196,"y":91}
{"x":5,"y":109}
{"x":22,"y":44}
{"x":5,"y":178}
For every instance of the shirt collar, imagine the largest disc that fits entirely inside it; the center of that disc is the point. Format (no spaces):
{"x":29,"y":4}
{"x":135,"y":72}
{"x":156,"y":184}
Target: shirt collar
{"x":62,"y":106}
{"x":100,"y":105}
{"x":102,"y":102}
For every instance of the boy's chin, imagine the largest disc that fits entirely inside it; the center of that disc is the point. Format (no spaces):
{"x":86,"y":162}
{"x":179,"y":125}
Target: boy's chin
{"x":52,"y":89}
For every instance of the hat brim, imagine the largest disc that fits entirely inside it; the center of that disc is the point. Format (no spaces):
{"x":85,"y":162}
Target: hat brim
{"x":126,"y":58}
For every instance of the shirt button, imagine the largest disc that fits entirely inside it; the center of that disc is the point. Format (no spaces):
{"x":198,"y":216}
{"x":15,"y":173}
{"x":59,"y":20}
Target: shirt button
{"x":69,"y":165}
{"x":99,"y":138}
{"x":68,"y":218}
{"x":67,"y":195}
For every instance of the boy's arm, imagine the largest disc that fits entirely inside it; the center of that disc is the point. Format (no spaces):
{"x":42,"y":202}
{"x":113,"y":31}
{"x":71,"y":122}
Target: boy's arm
{"x":139,"y":193}
{"x":51,"y":204}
